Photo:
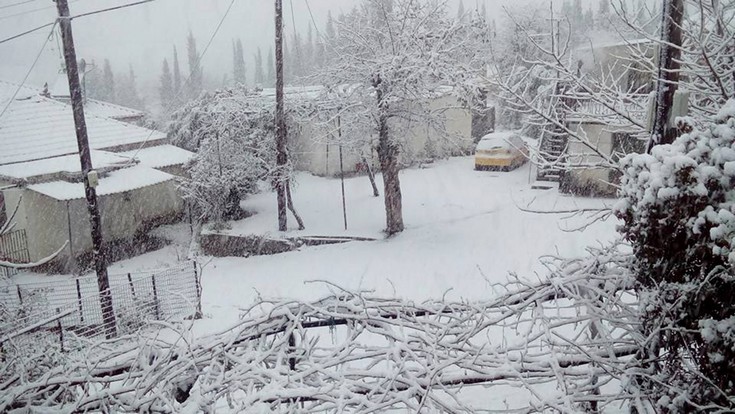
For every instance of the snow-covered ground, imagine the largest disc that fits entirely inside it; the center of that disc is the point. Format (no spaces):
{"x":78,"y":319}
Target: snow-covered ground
{"x":464,"y":233}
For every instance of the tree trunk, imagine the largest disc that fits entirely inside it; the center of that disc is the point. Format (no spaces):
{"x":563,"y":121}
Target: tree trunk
{"x":388,"y":157}
{"x":371,"y":176}
{"x":668,"y":72}
{"x":289,"y":202}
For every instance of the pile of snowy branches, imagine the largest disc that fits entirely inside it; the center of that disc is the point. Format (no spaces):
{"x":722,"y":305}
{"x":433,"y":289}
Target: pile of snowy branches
{"x":572,"y":336}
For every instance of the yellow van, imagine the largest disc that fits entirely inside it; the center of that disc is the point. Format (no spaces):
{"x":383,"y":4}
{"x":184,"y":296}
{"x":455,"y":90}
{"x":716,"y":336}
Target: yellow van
{"x":500,"y":151}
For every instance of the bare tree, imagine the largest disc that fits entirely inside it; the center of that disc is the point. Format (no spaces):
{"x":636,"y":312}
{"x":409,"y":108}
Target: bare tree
{"x":399,"y":54}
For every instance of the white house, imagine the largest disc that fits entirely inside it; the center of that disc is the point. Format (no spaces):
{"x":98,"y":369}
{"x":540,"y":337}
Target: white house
{"x":41,"y":184}
{"x":626,"y":65}
{"x":319,"y":155}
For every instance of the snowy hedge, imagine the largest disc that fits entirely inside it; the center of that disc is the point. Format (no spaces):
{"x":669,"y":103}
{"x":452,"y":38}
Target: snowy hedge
{"x":678,"y":209}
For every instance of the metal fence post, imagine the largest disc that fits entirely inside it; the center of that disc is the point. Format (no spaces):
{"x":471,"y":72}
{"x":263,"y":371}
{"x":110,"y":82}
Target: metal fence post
{"x":155,"y":297}
{"x":132,"y":288}
{"x":198,"y":285}
{"x":79,"y":299}
{"x":61,"y":330}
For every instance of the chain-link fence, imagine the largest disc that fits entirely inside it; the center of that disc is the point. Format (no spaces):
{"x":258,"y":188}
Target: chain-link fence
{"x":63,"y":309}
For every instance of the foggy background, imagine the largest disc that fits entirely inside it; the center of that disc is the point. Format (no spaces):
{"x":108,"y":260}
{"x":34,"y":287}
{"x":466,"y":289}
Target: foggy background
{"x":143,"y":35}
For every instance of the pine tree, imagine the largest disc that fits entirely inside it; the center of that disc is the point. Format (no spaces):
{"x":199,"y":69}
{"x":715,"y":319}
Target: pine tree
{"x":166,"y":90}
{"x":239,"y":62}
{"x":195,"y":70}
{"x":460,"y":11}
{"x":297,"y":58}
{"x":287,"y":63}
{"x":308,"y":55}
{"x":259,"y":76}
{"x":127,"y":91}
{"x":329,"y":32}
{"x":108,"y":83}
{"x":271,"y":79}
{"x":604,"y":8}
{"x":177,"y":73}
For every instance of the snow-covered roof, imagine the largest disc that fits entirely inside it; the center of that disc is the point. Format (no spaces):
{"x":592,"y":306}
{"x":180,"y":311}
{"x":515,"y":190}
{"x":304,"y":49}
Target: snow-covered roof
{"x":66,"y":163}
{"x":612,"y":44}
{"x":160,"y":156}
{"x":35,"y":127}
{"x":120,"y":181}
{"x":110,"y":110}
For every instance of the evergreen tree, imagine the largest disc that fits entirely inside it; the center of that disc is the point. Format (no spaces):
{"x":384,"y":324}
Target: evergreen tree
{"x":177,"y":73}
{"x":296,"y":58}
{"x":93,"y":83}
{"x":308,"y":55}
{"x":287,"y":62}
{"x":461,"y":11}
{"x":127,"y":91}
{"x":259,"y":76}
{"x":195,"y":84}
{"x":271,"y":79}
{"x":166,"y":89}
{"x":239,"y":62}
{"x":107,"y":90}
{"x":589,"y":19}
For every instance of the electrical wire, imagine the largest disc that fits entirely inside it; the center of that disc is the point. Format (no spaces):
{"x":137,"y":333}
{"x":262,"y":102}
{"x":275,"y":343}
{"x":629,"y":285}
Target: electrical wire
{"x":32,"y":11}
{"x":26,"y":32}
{"x":33,"y":65}
{"x":110,"y":9}
{"x":188,"y":78}
{"x":73,"y":17}
{"x":16,"y":4}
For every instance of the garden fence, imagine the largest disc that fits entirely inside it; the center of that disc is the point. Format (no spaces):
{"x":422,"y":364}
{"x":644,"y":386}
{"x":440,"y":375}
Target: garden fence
{"x":63,"y":308}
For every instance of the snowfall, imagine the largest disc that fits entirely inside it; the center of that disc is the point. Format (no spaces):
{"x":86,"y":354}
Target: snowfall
{"x":466,"y":232}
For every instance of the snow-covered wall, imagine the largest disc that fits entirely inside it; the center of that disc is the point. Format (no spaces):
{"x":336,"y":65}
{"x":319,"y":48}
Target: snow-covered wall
{"x":49,"y":222}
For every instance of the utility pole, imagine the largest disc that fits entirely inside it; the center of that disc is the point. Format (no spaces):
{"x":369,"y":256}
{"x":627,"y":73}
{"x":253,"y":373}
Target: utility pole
{"x":75,"y":91}
{"x":281,"y":156}
{"x":668,"y":73}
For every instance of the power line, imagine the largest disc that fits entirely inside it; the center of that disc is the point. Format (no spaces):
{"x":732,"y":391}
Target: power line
{"x":27,"y":32}
{"x":16,"y":4}
{"x":74,"y":17}
{"x":110,"y":9}
{"x":31,"y":11}
{"x":188,"y":78}
{"x":33,"y":65}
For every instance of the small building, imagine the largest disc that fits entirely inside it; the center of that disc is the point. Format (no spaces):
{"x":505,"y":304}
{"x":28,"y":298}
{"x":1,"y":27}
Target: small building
{"x":609,"y":129}
{"x":41,"y":188}
{"x":320,"y":155}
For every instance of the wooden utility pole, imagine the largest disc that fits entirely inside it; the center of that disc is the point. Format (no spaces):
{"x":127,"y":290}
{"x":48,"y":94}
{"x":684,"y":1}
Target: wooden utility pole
{"x":75,"y":91}
{"x":668,"y":73}
{"x":281,"y":156}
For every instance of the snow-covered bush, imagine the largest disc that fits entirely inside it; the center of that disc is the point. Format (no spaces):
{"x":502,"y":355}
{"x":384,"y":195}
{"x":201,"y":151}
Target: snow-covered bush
{"x":234,"y":140}
{"x":678,"y":210}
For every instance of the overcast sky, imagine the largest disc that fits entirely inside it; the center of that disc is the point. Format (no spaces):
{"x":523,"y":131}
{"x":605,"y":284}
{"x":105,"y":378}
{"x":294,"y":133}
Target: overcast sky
{"x":143,"y":35}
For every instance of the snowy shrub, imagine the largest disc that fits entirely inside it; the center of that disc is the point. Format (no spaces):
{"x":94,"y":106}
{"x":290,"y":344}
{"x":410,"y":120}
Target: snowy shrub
{"x":678,"y":212}
{"x":234,"y":141}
